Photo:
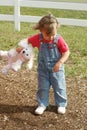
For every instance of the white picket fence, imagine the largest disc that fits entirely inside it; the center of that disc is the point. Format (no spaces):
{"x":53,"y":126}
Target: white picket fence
{"x":18,"y":18}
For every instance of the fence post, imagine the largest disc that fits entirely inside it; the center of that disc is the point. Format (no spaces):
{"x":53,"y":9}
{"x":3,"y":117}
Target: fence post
{"x":17,"y":14}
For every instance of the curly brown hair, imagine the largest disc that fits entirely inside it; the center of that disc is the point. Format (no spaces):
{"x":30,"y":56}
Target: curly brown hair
{"x":47,"y":23}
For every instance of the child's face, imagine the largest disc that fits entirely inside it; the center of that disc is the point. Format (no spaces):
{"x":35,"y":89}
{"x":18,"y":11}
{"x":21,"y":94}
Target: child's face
{"x":49,"y":36}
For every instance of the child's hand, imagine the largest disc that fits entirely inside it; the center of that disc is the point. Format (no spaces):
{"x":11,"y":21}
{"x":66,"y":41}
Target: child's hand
{"x":57,"y":66}
{"x":19,"y":49}
{"x":64,"y":57}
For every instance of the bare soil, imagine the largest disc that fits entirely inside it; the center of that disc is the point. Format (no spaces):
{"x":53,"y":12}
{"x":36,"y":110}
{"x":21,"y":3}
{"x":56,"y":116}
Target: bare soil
{"x":18,"y":102}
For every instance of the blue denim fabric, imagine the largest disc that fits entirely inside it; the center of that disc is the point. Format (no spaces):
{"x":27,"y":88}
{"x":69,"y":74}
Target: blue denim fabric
{"x":48,"y":56}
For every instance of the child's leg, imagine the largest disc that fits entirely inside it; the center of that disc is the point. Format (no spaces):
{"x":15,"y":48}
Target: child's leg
{"x":59,"y":86}
{"x":43,"y":88}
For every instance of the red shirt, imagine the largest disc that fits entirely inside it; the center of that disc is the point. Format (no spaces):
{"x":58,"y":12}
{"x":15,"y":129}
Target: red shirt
{"x":35,"y":41}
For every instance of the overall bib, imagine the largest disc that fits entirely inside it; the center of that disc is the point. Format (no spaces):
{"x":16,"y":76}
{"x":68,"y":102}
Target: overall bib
{"x":47,"y":58}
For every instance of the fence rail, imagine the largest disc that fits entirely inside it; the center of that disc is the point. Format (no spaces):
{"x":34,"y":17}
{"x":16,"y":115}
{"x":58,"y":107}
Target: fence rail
{"x":17,"y":17}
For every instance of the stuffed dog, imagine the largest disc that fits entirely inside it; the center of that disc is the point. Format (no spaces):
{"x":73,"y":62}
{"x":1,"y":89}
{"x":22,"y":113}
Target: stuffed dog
{"x":16,"y":59}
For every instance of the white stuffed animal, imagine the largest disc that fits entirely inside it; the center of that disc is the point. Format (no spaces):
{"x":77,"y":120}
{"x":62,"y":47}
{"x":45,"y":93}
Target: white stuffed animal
{"x":16,"y":59}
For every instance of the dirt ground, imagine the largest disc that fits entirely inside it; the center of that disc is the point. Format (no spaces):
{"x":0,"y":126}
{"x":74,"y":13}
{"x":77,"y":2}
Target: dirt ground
{"x":18,"y":102}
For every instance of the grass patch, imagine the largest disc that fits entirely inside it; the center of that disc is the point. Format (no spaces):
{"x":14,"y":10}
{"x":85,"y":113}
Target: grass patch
{"x":58,"y":13}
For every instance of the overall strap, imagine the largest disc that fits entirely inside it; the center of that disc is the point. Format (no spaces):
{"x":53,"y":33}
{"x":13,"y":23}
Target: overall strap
{"x":56,"y":39}
{"x":40,"y":37}
{"x":56,"y":50}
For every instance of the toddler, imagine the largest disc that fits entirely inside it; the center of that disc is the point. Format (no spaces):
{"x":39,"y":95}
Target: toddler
{"x":53,"y":52}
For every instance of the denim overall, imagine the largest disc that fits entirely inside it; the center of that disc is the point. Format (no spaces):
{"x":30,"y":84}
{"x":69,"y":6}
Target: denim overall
{"x":48,"y":56}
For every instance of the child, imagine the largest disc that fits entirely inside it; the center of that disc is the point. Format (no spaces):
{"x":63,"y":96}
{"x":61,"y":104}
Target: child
{"x":53,"y":52}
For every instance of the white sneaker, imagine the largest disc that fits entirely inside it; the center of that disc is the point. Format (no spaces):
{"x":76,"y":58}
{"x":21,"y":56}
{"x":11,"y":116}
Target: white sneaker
{"x":61,"y":110}
{"x":40,"y":110}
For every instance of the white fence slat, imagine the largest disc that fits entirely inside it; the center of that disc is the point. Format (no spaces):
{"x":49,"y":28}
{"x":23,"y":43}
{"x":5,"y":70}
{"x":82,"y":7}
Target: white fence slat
{"x":73,"y":22}
{"x":63,"y":21}
{"x":54,"y":5}
{"x":7,"y":2}
{"x":4,"y":17}
{"x":32,"y":19}
{"x":17,"y":15}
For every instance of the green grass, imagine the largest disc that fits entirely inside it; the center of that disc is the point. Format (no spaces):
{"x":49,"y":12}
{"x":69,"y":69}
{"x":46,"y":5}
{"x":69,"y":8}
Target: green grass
{"x":76,"y":37}
{"x":57,"y":13}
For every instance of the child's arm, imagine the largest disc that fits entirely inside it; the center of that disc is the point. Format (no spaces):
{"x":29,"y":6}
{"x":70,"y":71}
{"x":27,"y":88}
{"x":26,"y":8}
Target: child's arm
{"x":62,"y":60}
